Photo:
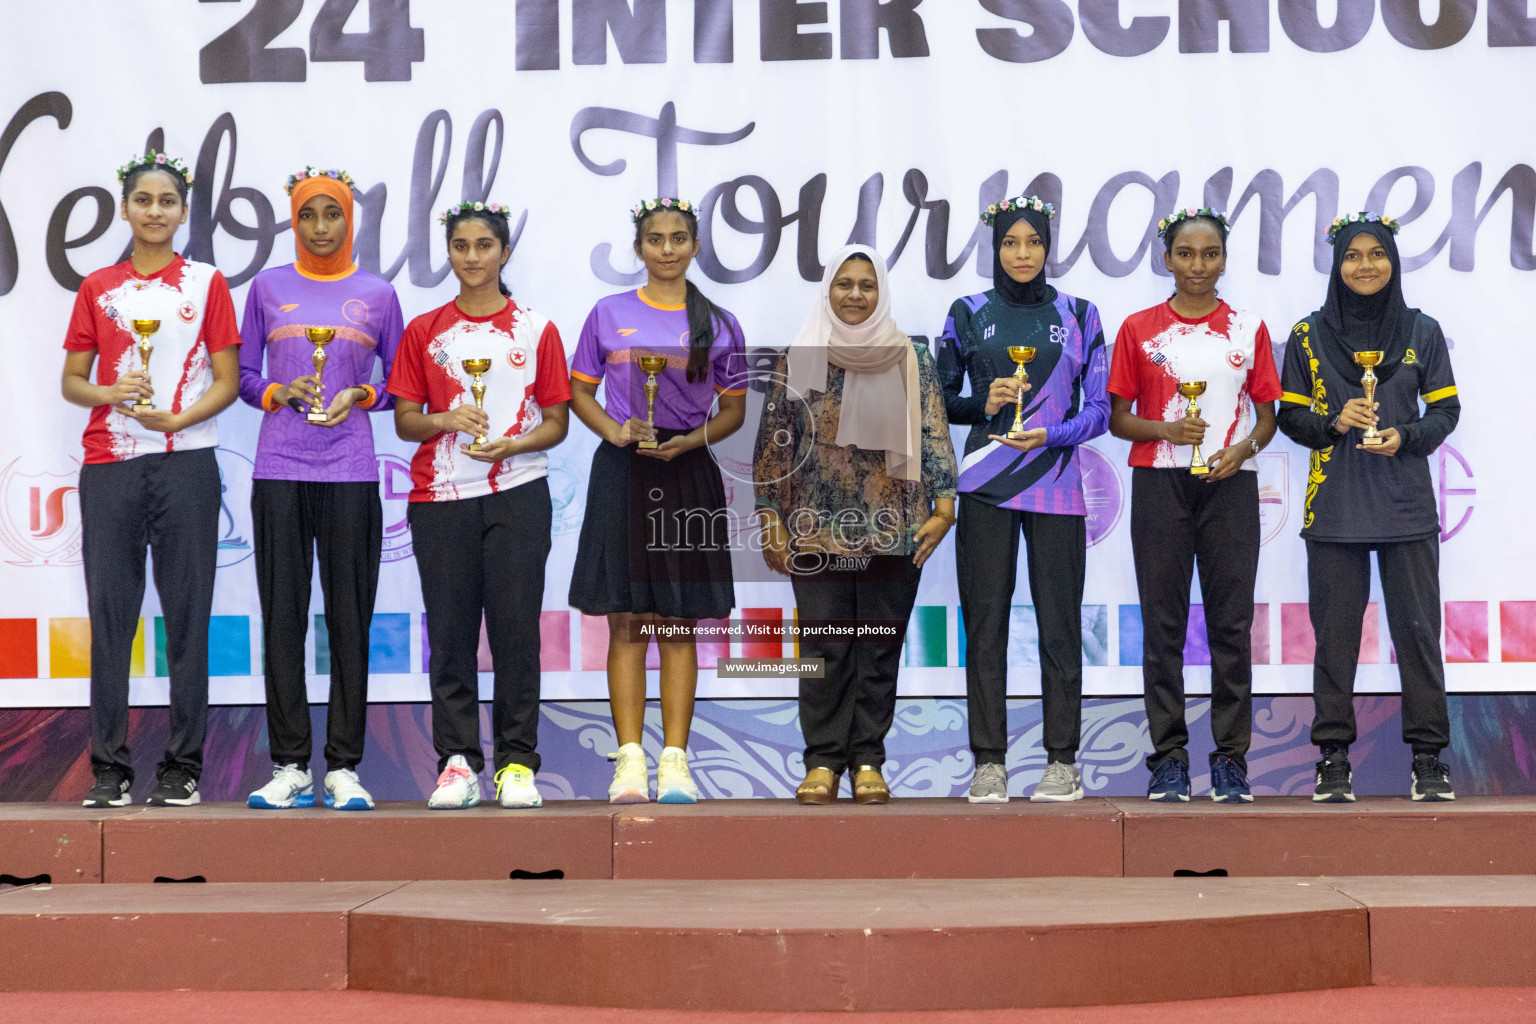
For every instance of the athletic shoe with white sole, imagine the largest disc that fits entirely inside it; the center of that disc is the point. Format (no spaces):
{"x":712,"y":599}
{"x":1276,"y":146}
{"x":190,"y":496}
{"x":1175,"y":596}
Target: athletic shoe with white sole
{"x":515,"y":788}
{"x":177,"y":788}
{"x":1431,"y":779}
{"x":111,"y":789}
{"x":674,"y":783}
{"x":1229,"y":781}
{"x":989,"y":785}
{"x":457,"y":787}
{"x":1061,"y":783}
{"x":1335,"y":779}
{"x":631,"y":784}
{"x":1170,"y":782}
{"x":344,"y":792}
{"x":291,"y":786}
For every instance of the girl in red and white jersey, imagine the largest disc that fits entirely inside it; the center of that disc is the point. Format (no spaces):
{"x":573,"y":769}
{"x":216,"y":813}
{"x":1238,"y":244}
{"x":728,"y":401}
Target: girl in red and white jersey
{"x":160,"y":332}
{"x":480,"y":510}
{"x":1187,"y":513}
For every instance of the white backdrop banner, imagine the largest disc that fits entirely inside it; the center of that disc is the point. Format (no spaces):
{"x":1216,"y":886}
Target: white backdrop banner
{"x":797,"y":126}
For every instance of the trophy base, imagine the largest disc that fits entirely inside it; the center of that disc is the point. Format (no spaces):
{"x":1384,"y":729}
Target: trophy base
{"x":1017,"y":435}
{"x":143,"y":406}
{"x":1373,"y":442}
{"x":1201,"y":470}
{"x":648,"y":445}
{"x":477,"y":446}
{"x":316,"y":416}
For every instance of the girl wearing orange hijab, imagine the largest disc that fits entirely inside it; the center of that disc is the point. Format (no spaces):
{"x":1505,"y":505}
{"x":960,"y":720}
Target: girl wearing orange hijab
{"x":316,"y":481}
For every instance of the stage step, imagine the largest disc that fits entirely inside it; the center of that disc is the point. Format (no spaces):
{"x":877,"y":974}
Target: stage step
{"x":254,"y":936}
{"x":744,"y":839}
{"x":779,"y":945}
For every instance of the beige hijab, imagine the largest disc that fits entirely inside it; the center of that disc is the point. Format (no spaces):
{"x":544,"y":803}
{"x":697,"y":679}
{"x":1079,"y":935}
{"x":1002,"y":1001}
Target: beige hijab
{"x":881,"y":408}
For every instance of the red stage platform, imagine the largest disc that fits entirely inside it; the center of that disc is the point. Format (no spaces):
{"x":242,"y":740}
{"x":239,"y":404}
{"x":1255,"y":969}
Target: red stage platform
{"x":736,"y":905}
{"x":739,"y":839}
{"x":780,"y":945}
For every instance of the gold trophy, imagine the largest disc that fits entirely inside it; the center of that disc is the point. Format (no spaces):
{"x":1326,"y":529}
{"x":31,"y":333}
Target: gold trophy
{"x":1193,"y":389}
{"x":652,"y":365}
{"x":1020,"y":354}
{"x":144,"y":328}
{"x":319,"y":337}
{"x":1372,"y":438}
{"x":477,"y":368}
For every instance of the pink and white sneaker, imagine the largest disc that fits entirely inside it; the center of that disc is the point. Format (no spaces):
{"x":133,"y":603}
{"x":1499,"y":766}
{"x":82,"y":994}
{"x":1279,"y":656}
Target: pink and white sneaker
{"x":457,"y":787}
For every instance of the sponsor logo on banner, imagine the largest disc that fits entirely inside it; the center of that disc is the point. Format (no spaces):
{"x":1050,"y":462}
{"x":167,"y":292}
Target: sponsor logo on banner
{"x":1102,"y":493}
{"x":1453,"y":477}
{"x":568,"y":512}
{"x":234,"y":507}
{"x":40,"y":514}
{"x":395,"y":494}
{"x":1274,"y":493}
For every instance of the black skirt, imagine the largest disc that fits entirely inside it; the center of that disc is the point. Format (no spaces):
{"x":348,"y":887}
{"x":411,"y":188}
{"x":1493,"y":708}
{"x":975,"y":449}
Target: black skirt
{"x":656,"y":537}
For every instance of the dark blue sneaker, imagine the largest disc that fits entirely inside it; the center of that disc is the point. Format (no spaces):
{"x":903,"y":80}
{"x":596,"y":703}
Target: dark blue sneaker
{"x":1229,"y":782}
{"x":1170,"y":781}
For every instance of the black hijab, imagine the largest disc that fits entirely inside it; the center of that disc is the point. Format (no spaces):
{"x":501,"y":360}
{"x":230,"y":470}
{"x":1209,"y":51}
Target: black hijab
{"x":1034,"y":291}
{"x":1363,"y":322}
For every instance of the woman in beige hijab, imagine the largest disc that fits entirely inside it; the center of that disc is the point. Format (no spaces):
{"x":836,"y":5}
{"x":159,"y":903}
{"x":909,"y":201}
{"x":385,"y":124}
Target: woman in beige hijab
{"x":855,"y":482}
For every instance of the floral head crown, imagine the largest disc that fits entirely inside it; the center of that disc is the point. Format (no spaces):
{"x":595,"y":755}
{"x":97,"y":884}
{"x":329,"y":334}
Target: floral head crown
{"x":1180,"y":216}
{"x":1019,"y":203}
{"x":315,"y":172}
{"x":1363,"y":217}
{"x":499,"y":209}
{"x":645,"y":206}
{"x":157,"y":160}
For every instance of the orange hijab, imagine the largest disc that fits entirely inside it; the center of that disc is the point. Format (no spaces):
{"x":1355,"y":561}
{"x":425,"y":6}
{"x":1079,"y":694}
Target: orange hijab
{"x":339,"y":262}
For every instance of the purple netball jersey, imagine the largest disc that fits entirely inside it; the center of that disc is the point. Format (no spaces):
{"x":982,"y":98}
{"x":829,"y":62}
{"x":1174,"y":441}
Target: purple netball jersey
{"x":365,"y":313}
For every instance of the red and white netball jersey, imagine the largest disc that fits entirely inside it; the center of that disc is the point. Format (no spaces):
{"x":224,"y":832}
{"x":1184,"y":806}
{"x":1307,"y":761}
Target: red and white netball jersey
{"x":197,"y":318}
{"x":527,"y":371}
{"x":1227,"y":348}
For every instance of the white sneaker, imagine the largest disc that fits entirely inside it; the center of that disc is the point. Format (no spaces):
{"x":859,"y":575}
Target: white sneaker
{"x":515,"y":788}
{"x":291,"y":786}
{"x":674,"y":785}
{"x":457,"y":787}
{"x":345,"y":793}
{"x":631,"y":782}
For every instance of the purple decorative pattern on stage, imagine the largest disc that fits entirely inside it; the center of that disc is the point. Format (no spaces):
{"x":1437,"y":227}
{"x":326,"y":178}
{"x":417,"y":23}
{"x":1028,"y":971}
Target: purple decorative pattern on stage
{"x":752,"y":748}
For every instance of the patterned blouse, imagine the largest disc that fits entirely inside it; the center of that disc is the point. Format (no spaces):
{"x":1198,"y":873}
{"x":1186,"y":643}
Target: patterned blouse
{"x":839,"y":499}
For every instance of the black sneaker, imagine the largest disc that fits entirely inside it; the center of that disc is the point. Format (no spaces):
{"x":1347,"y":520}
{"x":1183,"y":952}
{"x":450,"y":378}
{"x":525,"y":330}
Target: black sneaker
{"x":1334,"y":779}
{"x":1431,"y":779}
{"x":177,"y":788}
{"x":111,"y":789}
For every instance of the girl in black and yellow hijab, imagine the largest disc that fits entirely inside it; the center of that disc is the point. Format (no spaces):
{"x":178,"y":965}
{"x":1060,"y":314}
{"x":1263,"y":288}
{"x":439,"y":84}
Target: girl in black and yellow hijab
{"x":1371,"y":494}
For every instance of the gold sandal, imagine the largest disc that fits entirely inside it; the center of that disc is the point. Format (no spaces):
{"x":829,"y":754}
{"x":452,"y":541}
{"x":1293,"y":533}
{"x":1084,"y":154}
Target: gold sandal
{"x":869,"y":786}
{"x":819,"y":787}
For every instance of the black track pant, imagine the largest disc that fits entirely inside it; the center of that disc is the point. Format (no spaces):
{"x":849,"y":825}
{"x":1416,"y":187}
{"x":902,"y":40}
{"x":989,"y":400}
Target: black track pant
{"x":346,"y":522}
{"x":167,"y":504}
{"x":484,"y":555}
{"x":986,"y":562}
{"x":846,"y":714}
{"x":1180,"y":522}
{"x":1339,"y":588}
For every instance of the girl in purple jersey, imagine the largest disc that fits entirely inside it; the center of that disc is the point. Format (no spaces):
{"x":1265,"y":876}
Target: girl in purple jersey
{"x":653,"y":547}
{"x":1025,"y":484}
{"x":316,"y":483}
